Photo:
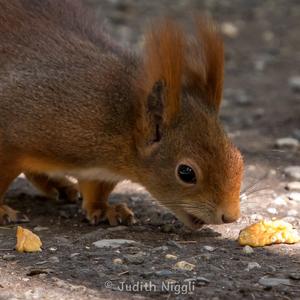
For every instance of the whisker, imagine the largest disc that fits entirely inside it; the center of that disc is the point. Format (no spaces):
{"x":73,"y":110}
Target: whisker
{"x":253,"y":185}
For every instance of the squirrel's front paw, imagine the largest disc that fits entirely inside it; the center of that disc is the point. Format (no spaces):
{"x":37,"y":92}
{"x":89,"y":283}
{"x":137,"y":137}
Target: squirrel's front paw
{"x":115,"y":215}
{"x":9,"y":216}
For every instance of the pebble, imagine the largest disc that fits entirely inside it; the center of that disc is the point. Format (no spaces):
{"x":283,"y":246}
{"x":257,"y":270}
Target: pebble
{"x":280,"y":201}
{"x":209,"y":248}
{"x":53,"y":259}
{"x":136,"y":259}
{"x":161,"y":248}
{"x":229,"y":29}
{"x":174,"y":244}
{"x":295,"y":275}
{"x":113,"y":243}
{"x":184,"y":265}
{"x":8,"y":257}
{"x":248,"y":250}
{"x":199,"y":280}
{"x":272,"y":210}
{"x":287,"y":142}
{"x":72,"y":255}
{"x":294,"y":186}
{"x":52,"y":249}
{"x":293,"y":172}
{"x":164,"y":273}
{"x":294,"y":196}
{"x":268,"y":36}
{"x":294,"y":83}
{"x":272,"y":281}
{"x":252,"y":265}
{"x":40,"y":228}
{"x":117,"y":228}
{"x":170,"y":256}
{"x":117,"y":261}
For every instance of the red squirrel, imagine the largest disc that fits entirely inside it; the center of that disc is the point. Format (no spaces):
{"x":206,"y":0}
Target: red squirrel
{"x":74,"y":103}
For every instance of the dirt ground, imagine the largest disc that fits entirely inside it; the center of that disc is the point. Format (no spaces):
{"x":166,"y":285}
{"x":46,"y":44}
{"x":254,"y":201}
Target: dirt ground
{"x":261,"y":104}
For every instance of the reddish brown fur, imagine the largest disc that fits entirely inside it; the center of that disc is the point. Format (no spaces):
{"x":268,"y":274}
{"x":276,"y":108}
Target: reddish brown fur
{"x":164,"y":58}
{"x":75,"y":103}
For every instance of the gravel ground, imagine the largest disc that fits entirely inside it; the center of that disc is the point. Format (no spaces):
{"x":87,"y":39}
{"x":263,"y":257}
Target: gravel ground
{"x":261,"y":109}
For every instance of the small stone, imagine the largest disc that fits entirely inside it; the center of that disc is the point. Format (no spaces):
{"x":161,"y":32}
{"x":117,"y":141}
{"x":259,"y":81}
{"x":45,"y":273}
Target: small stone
{"x":295,"y":275}
{"x":164,"y":273}
{"x":170,"y":256}
{"x":72,"y":255}
{"x":198,"y":281}
{"x":117,"y":228}
{"x":40,"y":228}
{"x":160,"y":249}
{"x":271,"y":282}
{"x":113,"y":243}
{"x":252,"y":265}
{"x":205,"y":256}
{"x":280,"y":201}
{"x":248,"y":250}
{"x":209,"y":248}
{"x":293,"y":172}
{"x":174,"y":244}
{"x":43,"y":262}
{"x":117,"y":261}
{"x":294,"y":83}
{"x":293,"y":186}
{"x":8,"y":257}
{"x":294,"y":196}
{"x":268,"y":36}
{"x":184,"y":265}
{"x":272,"y":210}
{"x":136,"y":259}
{"x":25,"y":279}
{"x":53,"y":259}
{"x":52,"y":249}
{"x":229,"y":29}
{"x":287,"y":142}
{"x":34,"y":272}
{"x":260,"y":64}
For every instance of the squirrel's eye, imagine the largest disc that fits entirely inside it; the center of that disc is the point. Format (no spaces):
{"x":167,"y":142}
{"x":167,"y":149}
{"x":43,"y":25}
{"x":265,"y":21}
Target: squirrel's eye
{"x":186,"y":174}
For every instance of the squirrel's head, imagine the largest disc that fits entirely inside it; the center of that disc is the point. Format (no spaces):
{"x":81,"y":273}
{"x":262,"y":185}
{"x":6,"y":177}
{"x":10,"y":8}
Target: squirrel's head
{"x":185,"y":158}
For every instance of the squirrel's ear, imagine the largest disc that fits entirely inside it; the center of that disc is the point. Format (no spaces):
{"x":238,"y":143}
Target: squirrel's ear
{"x":161,"y":77}
{"x":204,"y":64}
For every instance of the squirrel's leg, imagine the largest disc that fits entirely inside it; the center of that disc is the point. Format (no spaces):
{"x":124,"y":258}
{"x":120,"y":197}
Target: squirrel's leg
{"x":8,"y":215}
{"x":95,"y":204}
{"x":54,"y":188}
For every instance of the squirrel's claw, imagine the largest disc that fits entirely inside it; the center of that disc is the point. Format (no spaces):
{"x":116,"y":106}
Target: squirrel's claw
{"x":115,"y":215}
{"x":11,"y":216}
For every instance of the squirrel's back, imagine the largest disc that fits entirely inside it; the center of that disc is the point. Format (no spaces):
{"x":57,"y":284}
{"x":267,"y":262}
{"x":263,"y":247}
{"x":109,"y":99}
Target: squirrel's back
{"x":59,"y":69}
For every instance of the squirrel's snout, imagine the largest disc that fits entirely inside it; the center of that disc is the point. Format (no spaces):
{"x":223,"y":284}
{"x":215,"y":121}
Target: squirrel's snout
{"x":229,"y":219}
{"x":230,"y":216}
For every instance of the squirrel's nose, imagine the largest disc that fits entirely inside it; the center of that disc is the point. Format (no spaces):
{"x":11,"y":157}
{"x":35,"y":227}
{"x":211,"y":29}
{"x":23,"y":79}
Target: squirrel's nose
{"x":228,"y":219}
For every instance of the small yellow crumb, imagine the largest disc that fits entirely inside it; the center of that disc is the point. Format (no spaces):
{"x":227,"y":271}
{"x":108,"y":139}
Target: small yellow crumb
{"x":268,"y":232}
{"x":27,"y":241}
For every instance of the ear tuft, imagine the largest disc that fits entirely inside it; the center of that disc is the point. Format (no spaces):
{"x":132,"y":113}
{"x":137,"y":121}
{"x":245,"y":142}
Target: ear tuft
{"x":163,"y":62}
{"x":205,"y":63}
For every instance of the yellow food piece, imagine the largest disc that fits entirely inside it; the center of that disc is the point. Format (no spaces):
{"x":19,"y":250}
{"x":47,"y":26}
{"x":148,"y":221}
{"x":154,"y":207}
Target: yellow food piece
{"x":27,"y":241}
{"x":268,"y":232}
